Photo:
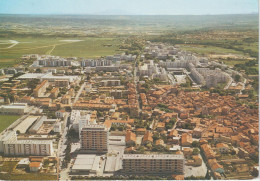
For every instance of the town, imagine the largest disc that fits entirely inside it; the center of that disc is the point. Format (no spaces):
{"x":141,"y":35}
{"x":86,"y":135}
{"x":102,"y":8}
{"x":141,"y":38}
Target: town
{"x":165,"y":114}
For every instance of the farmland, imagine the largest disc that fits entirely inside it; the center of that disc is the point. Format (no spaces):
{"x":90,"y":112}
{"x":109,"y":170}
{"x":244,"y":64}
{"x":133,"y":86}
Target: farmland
{"x":6,"y":120}
{"x":87,"y":48}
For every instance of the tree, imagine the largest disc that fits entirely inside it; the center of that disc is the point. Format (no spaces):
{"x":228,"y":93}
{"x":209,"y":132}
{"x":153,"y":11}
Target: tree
{"x":207,"y":176}
{"x":237,"y":78}
{"x":113,"y":127}
{"x":156,"y":136}
{"x":38,"y":70}
{"x":195,"y":151}
{"x":233,"y":152}
{"x":195,"y":144}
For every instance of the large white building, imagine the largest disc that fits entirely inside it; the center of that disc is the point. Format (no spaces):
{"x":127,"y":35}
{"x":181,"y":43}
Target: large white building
{"x":153,"y":71}
{"x":16,"y":108}
{"x":95,"y":63}
{"x":51,"y":61}
{"x":11,"y":146}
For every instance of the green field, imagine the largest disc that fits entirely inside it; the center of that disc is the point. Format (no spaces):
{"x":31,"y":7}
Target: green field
{"x":205,"y":49}
{"x":87,"y":48}
{"x":6,"y":120}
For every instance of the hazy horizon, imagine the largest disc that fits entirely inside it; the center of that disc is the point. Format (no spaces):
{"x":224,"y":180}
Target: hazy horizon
{"x":126,"y":7}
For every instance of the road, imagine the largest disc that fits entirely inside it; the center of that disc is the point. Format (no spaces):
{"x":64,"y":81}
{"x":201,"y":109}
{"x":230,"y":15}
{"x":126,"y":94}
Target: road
{"x":79,"y":92}
{"x":136,"y":79}
{"x":61,"y":150}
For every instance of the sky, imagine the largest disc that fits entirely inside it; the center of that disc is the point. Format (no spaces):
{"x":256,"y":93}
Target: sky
{"x":129,"y":7}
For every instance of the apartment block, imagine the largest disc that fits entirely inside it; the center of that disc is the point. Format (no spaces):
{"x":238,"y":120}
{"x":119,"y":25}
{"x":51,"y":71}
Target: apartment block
{"x":40,"y":89}
{"x":9,"y":145}
{"x":153,"y":164}
{"x":94,"y":138}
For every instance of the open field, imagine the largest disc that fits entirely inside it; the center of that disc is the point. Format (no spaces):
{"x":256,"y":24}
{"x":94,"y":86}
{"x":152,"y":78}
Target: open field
{"x":6,"y":120}
{"x":87,"y":48}
{"x":207,"y":50}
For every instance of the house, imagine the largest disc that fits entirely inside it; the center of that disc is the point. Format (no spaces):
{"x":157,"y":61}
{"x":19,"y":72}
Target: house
{"x":159,"y":142}
{"x":222,"y":148}
{"x":35,"y":166}
{"x":208,"y":152}
{"x":178,"y":177}
{"x":130,"y":138}
{"x":197,"y":132}
{"x":60,"y":113}
{"x":148,"y":138}
{"x":160,"y":126}
{"x":186,"y":140}
{"x":66,"y":99}
{"x":197,"y":160}
{"x":187,"y":151}
{"x":140,"y":131}
{"x":215,"y":166}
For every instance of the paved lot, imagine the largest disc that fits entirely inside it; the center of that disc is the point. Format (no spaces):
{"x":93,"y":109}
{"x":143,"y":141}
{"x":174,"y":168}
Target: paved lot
{"x":196,"y":171}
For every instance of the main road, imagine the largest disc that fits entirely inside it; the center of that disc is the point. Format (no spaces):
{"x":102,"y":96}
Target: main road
{"x":79,"y":92}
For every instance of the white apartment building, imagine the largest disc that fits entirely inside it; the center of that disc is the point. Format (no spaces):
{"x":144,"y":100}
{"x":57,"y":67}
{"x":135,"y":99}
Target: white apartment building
{"x":95,"y":63}
{"x":51,"y":61}
{"x":9,"y":145}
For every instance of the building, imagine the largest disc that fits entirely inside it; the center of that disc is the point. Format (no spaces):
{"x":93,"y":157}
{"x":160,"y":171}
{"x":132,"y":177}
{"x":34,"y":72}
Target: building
{"x":51,"y":61}
{"x":35,"y":166}
{"x":105,"y":83}
{"x":94,"y":138}
{"x":86,"y":164}
{"x":11,"y":146}
{"x":60,"y":113}
{"x":95,"y":63}
{"x":222,"y":147}
{"x":40,"y":89}
{"x":66,"y":99}
{"x":130,"y":138}
{"x":186,"y":140}
{"x":153,"y":164}
{"x":16,"y":108}
{"x":54,"y":93}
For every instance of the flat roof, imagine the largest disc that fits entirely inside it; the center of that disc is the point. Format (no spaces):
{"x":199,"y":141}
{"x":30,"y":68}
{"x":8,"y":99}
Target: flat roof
{"x":86,"y":162}
{"x":110,"y":164}
{"x":25,"y":124}
{"x":152,"y":156}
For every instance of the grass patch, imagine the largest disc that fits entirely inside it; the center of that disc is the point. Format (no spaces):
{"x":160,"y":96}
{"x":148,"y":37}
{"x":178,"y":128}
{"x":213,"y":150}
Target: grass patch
{"x":8,"y":166}
{"x":6,"y":120}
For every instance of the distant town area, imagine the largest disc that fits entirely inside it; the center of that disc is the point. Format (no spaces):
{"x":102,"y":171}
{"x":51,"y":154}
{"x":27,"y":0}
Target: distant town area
{"x":164,"y":113}
{"x":107,"y":97}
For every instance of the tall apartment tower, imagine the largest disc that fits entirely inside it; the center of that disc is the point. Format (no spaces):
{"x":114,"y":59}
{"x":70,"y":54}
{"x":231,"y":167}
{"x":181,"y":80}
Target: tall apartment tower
{"x":94,"y":139}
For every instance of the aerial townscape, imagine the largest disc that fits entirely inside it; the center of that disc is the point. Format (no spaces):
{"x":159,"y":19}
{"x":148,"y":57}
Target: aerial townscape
{"x":134,"y":97}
